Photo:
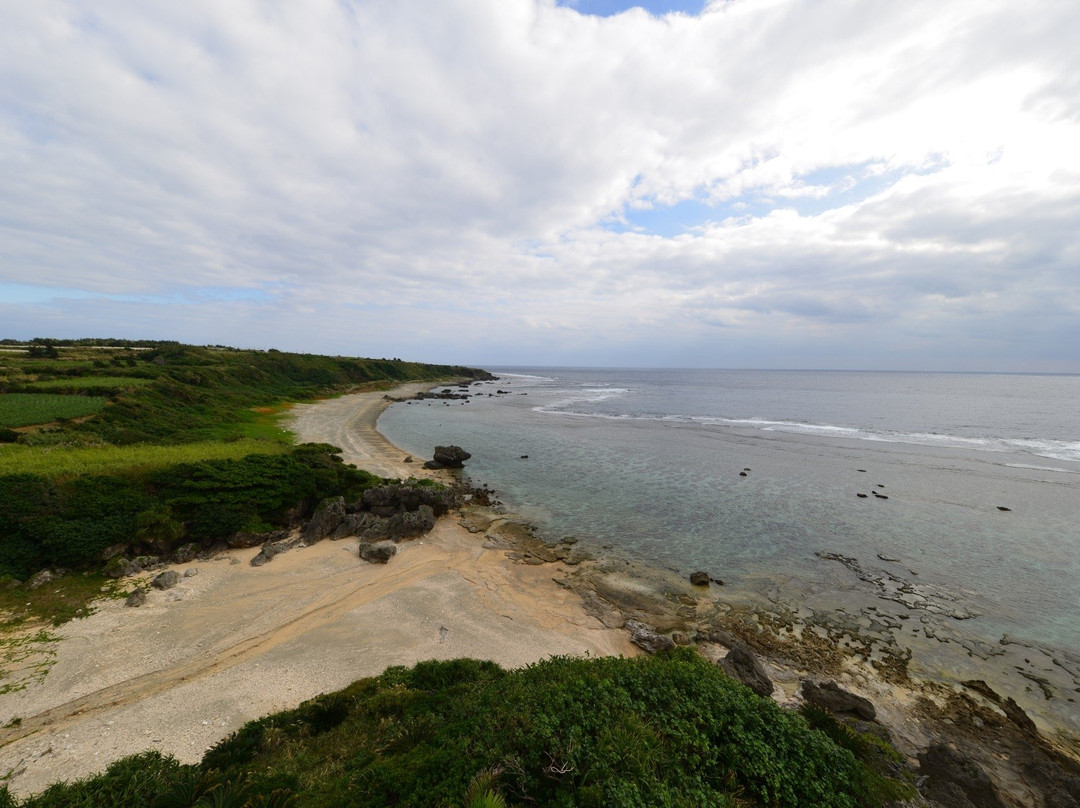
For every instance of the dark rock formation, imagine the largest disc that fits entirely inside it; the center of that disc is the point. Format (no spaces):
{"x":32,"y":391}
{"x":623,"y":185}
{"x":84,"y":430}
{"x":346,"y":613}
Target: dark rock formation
{"x":324,"y":521}
{"x":136,"y":598}
{"x":830,"y":696}
{"x":646,"y":639}
{"x":113,"y":550}
{"x":166,"y":580}
{"x":955,"y":780}
{"x":242,"y":539}
{"x":450,"y":457}
{"x":740,"y":663}
{"x":378,"y":553}
{"x":271,"y":549}
{"x":185,"y":553}
{"x":700,"y":578}
{"x":120,"y":567}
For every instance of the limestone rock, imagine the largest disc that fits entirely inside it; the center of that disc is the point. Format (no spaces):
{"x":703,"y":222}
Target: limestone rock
{"x":166,"y":580}
{"x":955,"y":779}
{"x":136,"y":598}
{"x":830,"y":696}
{"x":378,"y":553}
{"x":325,"y":520}
{"x":41,"y":578}
{"x":646,"y":639}
{"x":450,"y":457}
{"x":740,"y":663}
{"x":185,"y":553}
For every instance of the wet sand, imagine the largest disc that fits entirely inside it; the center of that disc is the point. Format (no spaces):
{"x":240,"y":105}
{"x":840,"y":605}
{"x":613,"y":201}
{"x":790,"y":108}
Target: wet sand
{"x":236,"y":642}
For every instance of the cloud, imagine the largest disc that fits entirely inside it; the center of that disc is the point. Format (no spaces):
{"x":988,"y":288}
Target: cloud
{"x":483,"y":180}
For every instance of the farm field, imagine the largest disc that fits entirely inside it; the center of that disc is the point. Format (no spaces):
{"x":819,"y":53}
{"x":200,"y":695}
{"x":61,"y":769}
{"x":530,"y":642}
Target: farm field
{"x":85,"y":382}
{"x":26,"y":409}
{"x":56,"y":462}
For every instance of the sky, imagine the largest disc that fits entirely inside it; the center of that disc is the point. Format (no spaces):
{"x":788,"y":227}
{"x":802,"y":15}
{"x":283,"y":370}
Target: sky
{"x":732,"y":183}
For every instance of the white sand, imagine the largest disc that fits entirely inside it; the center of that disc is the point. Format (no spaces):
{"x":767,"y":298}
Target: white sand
{"x":236,"y":642}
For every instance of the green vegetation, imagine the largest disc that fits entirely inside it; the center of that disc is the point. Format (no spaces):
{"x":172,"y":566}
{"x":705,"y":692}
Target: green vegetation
{"x":92,"y":383}
{"x":24,"y":409}
{"x":69,"y":523}
{"x":58,"y":462}
{"x":188,"y":449}
{"x":669,"y":730}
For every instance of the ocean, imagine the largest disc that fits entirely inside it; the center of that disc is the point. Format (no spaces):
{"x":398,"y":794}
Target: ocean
{"x":968,"y":527}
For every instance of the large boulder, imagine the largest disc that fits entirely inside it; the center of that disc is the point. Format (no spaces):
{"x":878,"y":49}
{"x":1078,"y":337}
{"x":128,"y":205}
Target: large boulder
{"x":411,"y":523}
{"x":830,"y":696}
{"x":953,"y":779}
{"x":646,"y":639}
{"x":166,"y":580}
{"x":328,"y":515}
{"x":450,"y":457}
{"x":378,"y":553}
{"x":740,"y":663}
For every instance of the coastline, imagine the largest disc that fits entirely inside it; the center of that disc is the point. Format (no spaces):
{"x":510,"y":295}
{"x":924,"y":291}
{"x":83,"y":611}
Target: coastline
{"x":235,"y":642}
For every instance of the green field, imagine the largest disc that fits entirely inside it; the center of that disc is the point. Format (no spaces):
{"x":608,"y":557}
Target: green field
{"x":83,"y":382}
{"x":25,"y":409}
{"x":63,"y":462}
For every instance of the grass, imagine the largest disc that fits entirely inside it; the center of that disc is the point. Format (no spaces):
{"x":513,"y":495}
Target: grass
{"x":61,"y":462}
{"x":91,"y":382}
{"x":27,"y":409}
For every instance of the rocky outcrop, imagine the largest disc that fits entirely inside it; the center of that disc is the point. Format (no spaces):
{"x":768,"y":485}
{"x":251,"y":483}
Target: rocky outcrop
{"x":646,"y":639}
{"x":166,"y":580}
{"x":271,"y":549}
{"x":378,"y":553}
{"x":244,"y":539}
{"x":41,"y":578}
{"x":740,"y":663}
{"x":136,"y":598}
{"x":953,"y":779}
{"x":328,"y":515}
{"x":185,"y":553}
{"x":830,"y":696}
{"x":447,"y":457}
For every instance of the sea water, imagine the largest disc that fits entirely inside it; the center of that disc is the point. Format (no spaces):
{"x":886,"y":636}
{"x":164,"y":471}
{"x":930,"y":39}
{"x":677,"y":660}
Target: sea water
{"x":752,"y":475}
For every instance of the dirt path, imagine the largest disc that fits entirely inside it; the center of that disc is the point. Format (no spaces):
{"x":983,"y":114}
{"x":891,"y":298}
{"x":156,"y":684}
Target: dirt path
{"x":235,"y":642}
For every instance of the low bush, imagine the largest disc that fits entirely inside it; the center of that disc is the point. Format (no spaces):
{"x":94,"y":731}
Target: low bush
{"x":669,"y":730}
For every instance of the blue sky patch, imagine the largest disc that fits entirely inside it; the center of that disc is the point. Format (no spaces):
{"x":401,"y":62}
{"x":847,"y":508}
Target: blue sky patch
{"x":609,"y":8}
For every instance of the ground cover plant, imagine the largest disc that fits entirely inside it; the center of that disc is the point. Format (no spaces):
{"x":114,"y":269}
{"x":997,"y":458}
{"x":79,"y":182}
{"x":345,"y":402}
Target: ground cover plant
{"x":669,"y":730}
{"x":25,"y":409}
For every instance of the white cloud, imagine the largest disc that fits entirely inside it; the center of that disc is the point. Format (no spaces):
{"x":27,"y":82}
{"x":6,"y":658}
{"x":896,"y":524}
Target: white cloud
{"x":447,"y":174}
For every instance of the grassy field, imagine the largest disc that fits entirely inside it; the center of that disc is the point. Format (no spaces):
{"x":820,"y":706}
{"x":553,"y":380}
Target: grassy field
{"x":84,"y":382}
{"x":58,"y":462}
{"x":25,"y":409}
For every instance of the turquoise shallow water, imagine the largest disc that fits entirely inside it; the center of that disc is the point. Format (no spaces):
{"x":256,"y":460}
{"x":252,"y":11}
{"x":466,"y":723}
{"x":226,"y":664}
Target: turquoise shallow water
{"x":650,"y":462}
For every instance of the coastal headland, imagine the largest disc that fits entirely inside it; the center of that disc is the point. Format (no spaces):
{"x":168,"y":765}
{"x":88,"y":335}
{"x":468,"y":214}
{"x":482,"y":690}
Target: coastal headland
{"x":235,"y":642}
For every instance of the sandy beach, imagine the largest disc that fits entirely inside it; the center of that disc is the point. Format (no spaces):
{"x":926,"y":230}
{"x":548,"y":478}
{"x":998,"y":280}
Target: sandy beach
{"x":234,"y":642}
